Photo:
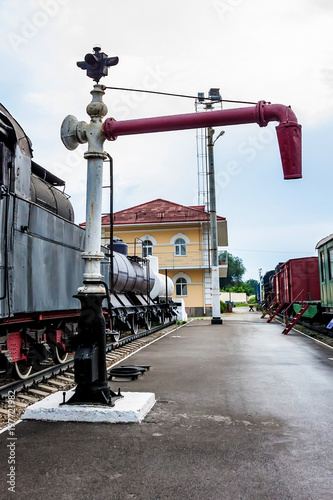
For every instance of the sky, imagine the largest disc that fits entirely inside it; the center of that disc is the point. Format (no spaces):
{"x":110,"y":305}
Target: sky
{"x":280,"y":52}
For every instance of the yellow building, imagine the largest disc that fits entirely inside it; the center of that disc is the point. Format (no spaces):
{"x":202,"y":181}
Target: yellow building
{"x":179,"y":237}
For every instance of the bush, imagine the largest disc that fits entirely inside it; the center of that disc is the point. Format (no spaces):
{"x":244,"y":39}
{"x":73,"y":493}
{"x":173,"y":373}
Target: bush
{"x":223,"y":306}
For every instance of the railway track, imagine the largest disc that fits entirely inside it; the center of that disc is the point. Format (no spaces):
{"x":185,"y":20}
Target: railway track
{"x":316,"y":332}
{"x":61,"y":377}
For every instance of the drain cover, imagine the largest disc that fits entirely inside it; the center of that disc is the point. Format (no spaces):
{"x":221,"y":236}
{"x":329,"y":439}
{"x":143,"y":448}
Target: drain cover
{"x":128,"y":371}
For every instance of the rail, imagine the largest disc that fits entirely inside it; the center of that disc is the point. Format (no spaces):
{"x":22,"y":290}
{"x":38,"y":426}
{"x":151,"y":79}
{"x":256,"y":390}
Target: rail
{"x":43,"y":375}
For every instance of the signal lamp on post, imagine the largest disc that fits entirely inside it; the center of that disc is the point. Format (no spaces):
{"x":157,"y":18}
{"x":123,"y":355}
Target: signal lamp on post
{"x":97,"y":64}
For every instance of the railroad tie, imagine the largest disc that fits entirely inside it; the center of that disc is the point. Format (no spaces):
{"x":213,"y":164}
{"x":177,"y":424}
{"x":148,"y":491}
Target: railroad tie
{"x":30,"y":399}
{"x":38,"y":392}
{"x":47,"y":388}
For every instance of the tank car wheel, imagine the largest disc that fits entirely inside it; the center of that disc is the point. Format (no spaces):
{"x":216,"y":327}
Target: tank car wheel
{"x":148,"y":321}
{"x":134,"y":324}
{"x":59,"y":355}
{"x":163,"y":318}
{"x":21,"y":370}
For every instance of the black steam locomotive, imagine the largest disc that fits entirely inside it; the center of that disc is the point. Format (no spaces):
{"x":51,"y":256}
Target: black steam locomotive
{"x":41,"y":266}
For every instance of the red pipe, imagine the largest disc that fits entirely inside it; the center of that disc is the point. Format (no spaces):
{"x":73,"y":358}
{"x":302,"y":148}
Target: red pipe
{"x":288,"y":131}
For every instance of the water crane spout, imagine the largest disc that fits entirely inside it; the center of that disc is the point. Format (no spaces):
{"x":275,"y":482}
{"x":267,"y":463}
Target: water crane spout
{"x":288,"y":130}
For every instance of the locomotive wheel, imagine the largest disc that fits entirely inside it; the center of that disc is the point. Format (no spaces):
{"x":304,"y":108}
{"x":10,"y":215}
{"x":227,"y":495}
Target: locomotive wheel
{"x":59,"y":355}
{"x":21,"y":370}
{"x":134,"y":324}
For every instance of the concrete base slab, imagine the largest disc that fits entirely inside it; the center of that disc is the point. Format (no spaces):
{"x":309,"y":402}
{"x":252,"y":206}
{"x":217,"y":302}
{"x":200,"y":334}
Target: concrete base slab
{"x":133,"y":407}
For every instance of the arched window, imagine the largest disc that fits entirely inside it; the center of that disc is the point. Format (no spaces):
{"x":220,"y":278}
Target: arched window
{"x":147,"y":248}
{"x":180,"y":246}
{"x":181,"y":287}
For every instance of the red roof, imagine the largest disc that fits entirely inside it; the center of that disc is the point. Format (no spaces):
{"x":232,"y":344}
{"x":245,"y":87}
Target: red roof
{"x":158,"y":211}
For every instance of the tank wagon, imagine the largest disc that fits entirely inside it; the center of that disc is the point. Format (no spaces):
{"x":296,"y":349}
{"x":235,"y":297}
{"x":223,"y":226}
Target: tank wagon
{"x":41,"y":266}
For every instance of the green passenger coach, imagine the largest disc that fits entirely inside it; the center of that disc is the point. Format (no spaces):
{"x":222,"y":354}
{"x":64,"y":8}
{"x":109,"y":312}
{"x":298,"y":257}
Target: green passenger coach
{"x":325,"y":255}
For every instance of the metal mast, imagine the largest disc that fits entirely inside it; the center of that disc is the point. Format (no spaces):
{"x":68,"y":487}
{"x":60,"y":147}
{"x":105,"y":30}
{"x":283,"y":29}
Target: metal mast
{"x":216,"y":314}
{"x":204,"y":104}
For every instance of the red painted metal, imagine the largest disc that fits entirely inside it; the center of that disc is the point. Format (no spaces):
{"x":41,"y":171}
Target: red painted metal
{"x":272,"y":314}
{"x":295,"y":320}
{"x":56,"y":337}
{"x":45,"y":316}
{"x":288,"y":131}
{"x":14,"y":345}
{"x":298,"y":281}
{"x":277,"y":287}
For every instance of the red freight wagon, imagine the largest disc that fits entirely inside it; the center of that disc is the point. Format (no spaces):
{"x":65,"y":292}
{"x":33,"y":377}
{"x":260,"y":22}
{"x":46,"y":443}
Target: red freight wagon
{"x":277,"y":287}
{"x":298,"y":281}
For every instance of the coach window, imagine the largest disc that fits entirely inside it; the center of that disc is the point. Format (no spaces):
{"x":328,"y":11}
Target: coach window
{"x":181,"y":287}
{"x":147,"y":248}
{"x":330,"y":263}
{"x":180,"y":246}
{"x":322,"y":267}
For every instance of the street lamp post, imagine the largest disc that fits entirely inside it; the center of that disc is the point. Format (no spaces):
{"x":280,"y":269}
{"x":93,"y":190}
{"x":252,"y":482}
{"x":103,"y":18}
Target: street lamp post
{"x":216,"y":312}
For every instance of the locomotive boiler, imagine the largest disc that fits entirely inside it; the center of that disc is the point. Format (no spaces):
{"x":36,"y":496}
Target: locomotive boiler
{"x":41,"y":266}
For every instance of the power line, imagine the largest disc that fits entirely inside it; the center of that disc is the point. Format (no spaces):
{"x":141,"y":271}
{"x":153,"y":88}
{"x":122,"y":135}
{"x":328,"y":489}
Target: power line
{"x":268,"y":251}
{"x":174,"y":95}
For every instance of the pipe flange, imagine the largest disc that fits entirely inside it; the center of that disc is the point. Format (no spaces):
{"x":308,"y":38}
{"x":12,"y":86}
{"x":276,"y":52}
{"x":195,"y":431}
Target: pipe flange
{"x":107,"y":129}
{"x":92,"y":256}
{"x":95,"y":154}
{"x":260,"y":111}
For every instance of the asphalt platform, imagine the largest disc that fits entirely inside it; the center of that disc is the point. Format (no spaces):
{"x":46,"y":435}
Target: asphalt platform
{"x":242,"y":412}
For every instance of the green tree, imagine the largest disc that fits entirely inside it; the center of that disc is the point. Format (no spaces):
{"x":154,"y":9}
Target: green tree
{"x":252,"y":286}
{"x":236,"y":271}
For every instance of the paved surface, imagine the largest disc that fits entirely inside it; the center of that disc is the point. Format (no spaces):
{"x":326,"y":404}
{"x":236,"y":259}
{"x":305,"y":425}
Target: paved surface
{"x":242,"y":412}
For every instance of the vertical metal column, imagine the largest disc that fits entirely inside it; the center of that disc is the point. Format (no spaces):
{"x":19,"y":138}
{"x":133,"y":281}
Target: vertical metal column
{"x":90,"y":357}
{"x":216,"y":312}
{"x":90,"y":360}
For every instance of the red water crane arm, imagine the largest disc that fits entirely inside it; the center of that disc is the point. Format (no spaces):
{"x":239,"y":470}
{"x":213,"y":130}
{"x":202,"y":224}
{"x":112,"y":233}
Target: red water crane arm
{"x":288,"y":130}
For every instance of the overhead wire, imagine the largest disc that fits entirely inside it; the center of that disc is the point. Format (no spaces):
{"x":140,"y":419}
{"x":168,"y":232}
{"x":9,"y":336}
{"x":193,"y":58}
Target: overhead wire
{"x":268,"y":251}
{"x":176,"y":95}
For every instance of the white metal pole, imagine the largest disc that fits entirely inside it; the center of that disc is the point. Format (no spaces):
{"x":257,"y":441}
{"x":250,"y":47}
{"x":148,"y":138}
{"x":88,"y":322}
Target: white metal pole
{"x":95,"y":155}
{"x":216,"y":312}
